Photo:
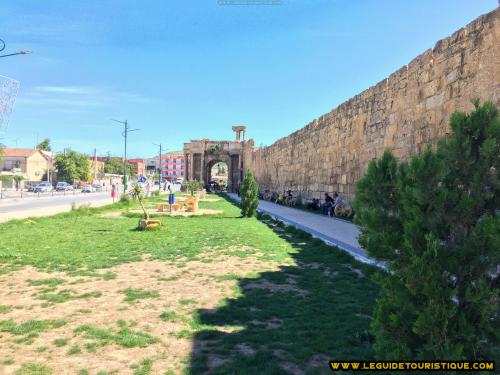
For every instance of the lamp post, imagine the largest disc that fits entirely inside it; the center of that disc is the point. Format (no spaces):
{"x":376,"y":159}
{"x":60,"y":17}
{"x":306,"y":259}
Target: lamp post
{"x":2,"y":47}
{"x":126,"y":130}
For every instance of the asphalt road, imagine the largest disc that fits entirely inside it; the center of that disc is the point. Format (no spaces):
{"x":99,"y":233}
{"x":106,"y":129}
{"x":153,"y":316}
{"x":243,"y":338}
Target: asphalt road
{"x":47,"y":204}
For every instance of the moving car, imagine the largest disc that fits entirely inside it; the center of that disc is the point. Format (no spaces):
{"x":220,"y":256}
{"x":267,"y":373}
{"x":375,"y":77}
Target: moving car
{"x":88,"y":189}
{"x":43,"y":187}
{"x":63,"y":186}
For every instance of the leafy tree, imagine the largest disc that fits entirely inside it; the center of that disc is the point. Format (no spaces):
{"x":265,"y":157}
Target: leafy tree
{"x":114,"y":165}
{"x":18,"y":178}
{"x":44,"y":145}
{"x":137,"y":193}
{"x":435,"y":220}
{"x":249,"y":192}
{"x":72,"y":166}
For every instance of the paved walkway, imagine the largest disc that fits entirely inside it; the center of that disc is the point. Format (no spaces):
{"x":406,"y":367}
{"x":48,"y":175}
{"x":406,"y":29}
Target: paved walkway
{"x":340,"y":233}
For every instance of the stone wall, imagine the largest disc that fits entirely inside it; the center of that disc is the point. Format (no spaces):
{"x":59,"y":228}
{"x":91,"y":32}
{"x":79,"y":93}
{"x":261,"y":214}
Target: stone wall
{"x":404,"y":112}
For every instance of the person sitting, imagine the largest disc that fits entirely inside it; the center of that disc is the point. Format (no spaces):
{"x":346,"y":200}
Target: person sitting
{"x":314,"y":204}
{"x":280,"y":199}
{"x":274,"y":197}
{"x":325,"y":208}
{"x":338,"y":200}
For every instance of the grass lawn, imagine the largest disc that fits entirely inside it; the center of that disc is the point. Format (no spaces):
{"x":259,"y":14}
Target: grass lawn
{"x":86,"y":293}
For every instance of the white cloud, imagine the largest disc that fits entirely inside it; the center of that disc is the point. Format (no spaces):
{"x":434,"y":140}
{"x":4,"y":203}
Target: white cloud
{"x":64,"y":89}
{"x":77,"y":99}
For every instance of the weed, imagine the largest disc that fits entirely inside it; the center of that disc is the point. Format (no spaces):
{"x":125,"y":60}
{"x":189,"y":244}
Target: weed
{"x":144,"y":368}
{"x":8,"y":361}
{"x":51,"y":282}
{"x":124,"y":336}
{"x":34,"y":369}
{"x":67,"y":295}
{"x":75,"y":349}
{"x":168,"y":316}
{"x":109,"y":275}
{"x":60,"y":342}
{"x":172,"y":278}
{"x":5,"y":309}
{"x":132,"y":295}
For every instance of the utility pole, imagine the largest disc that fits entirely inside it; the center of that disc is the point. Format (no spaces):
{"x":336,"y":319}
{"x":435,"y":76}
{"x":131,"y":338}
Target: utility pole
{"x":125,"y":132}
{"x":160,"y":167}
{"x":95,"y":164}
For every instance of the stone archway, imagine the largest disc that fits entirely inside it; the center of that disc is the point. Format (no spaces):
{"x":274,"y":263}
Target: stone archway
{"x":218,"y":172}
{"x":200,"y":155}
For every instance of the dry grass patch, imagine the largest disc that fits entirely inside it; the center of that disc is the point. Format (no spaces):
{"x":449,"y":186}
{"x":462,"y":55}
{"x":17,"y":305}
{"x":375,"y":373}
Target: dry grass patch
{"x":108,"y":332}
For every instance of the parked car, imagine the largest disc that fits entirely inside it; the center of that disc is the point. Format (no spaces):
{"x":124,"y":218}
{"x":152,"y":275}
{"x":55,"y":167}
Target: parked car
{"x":31,"y":187}
{"x":88,"y":189}
{"x":43,"y":187}
{"x":63,"y":186}
{"x":97,"y":187}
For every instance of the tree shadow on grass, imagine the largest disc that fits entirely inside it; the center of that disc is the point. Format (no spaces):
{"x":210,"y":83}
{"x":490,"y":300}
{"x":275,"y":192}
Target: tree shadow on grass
{"x":292,"y":321}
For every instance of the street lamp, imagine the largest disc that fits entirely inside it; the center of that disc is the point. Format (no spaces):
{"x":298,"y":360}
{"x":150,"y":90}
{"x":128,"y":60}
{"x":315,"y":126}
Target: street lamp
{"x":126,"y":130}
{"x":2,"y":47}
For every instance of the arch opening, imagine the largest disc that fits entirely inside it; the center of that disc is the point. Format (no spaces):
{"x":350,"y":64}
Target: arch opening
{"x":218,"y":176}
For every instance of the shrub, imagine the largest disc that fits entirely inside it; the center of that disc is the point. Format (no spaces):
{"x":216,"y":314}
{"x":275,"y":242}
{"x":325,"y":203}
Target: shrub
{"x":435,"y":220}
{"x":249,"y":192}
{"x":125,"y":198}
{"x":192,"y":185}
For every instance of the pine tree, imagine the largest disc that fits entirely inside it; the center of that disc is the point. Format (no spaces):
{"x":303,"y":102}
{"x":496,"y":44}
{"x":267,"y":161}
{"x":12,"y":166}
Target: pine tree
{"x":249,"y":192}
{"x":435,"y":220}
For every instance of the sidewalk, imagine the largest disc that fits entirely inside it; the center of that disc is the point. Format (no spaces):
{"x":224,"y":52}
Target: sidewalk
{"x":340,"y":233}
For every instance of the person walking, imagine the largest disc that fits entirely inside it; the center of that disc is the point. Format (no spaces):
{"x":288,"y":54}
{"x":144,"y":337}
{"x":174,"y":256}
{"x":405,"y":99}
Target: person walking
{"x":113,"y":192}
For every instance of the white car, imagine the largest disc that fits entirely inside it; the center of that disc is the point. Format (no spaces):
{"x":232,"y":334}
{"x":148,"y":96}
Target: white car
{"x":43,"y":187}
{"x":88,"y":189}
{"x":63,"y":186}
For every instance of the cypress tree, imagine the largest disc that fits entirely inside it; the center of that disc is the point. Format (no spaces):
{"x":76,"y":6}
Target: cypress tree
{"x":435,"y":220}
{"x":249,"y":193}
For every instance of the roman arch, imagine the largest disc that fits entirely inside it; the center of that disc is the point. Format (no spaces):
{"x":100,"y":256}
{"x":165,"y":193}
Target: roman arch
{"x":201,"y":155}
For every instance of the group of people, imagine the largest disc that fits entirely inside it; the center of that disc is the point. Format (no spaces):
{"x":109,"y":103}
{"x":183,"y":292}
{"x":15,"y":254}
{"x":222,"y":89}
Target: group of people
{"x":327,"y":208}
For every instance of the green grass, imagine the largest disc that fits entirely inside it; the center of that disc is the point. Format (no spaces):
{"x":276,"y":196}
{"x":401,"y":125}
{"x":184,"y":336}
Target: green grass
{"x":144,"y":368}
{"x":168,"y":316}
{"x":329,"y":316}
{"x":51,"y":282}
{"x":5,"y":309}
{"x":29,"y":326}
{"x":106,"y":242}
{"x":34,"y":369}
{"x":109,"y":275}
{"x":66,"y":295}
{"x":124,"y":336}
{"x":132,"y":295}
{"x":29,"y":330}
{"x":75,"y":349}
{"x":7,"y":361}
{"x":60,"y":342}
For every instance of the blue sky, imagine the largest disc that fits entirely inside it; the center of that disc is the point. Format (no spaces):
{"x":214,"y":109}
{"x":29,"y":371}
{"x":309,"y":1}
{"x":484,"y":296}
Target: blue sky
{"x":182,"y":70}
